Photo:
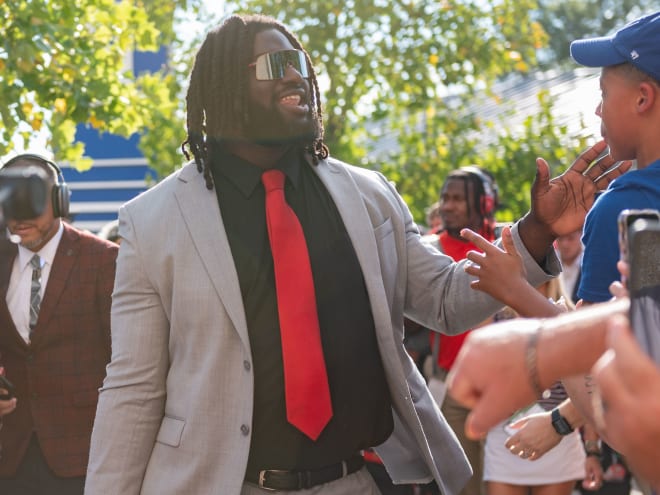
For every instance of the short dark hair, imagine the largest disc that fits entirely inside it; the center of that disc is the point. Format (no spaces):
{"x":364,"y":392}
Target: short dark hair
{"x":634,"y":72}
{"x":217,"y":96}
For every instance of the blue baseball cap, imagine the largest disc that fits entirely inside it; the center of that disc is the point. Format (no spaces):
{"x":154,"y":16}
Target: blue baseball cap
{"x":637,"y":43}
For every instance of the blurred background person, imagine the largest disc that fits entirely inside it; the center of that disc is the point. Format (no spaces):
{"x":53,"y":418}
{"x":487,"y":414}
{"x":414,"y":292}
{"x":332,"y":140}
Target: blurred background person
{"x":569,"y":249}
{"x":433,"y":219}
{"x":468,"y":199}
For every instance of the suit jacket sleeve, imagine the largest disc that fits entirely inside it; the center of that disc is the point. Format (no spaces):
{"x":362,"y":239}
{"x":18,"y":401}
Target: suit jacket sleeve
{"x":435,"y":282}
{"x":135,"y":382}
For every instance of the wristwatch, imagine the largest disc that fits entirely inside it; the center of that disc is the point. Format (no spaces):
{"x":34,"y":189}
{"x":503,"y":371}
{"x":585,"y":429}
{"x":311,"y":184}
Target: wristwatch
{"x":560,"y":424}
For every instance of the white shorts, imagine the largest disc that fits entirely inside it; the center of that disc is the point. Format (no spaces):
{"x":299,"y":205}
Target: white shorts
{"x":565,"y":462}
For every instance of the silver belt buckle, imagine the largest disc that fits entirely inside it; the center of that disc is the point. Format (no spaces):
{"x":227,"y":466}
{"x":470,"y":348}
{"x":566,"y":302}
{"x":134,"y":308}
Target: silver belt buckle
{"x":344,"y":469}
{"x":262,"y":478}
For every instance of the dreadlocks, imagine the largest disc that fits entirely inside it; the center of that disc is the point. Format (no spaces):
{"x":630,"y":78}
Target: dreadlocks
{"x":217,"y":96}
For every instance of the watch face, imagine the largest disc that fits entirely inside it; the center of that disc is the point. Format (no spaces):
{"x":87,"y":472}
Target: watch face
{"x":560,"y":424}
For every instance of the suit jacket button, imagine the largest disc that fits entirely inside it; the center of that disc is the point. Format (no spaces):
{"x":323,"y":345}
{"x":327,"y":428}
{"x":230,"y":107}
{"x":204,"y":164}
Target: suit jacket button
{"x":246,"y":365}
{"x":245,"y":429}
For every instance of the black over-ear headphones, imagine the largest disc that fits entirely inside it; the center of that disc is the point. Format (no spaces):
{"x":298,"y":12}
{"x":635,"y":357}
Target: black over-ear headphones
{"x":60,"y":194}
{"x":489,"y":200}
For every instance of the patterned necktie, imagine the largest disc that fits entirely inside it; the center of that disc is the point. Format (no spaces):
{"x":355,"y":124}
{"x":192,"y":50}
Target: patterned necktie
{"x":35,"y":288}
{"x":307,"y":392}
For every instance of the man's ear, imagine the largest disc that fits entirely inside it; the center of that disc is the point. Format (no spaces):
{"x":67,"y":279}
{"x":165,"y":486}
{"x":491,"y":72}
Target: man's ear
{"x":649,"y":95}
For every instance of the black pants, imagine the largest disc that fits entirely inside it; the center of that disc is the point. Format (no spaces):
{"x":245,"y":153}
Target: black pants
{"x":34,"y":477}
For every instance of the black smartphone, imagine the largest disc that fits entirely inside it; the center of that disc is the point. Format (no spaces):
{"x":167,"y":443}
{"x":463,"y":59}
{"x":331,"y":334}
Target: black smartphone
{"x":8,"y":386}
{"x":642,"y":252}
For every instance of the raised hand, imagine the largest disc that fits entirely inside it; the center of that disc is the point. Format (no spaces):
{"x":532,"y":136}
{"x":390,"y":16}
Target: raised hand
{"x":499,"y":270}
{"x":500,"y":273}
{"x":562,"y":203}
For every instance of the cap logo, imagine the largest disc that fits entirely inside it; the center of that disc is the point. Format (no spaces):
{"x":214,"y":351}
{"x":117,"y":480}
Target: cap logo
{"x":634,"y":55}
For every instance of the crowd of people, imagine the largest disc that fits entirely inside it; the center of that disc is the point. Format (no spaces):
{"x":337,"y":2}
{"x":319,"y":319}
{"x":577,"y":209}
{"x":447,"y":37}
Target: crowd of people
{"x":249,"y":334}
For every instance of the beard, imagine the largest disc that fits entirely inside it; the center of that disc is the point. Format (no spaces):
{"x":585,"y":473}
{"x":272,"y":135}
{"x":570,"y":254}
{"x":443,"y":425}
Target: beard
{"x":267,"y":126}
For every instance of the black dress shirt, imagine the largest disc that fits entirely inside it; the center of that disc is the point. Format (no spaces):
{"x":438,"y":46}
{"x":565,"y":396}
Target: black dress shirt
{"x":362,"y":414}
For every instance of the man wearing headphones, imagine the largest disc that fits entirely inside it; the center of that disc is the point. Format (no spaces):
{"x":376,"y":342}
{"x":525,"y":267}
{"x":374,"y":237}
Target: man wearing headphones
{"x":55,"y":295}
{"x":468,"y":199}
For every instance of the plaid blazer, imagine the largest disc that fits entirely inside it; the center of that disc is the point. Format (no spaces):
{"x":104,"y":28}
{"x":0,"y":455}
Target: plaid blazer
{"x":58,"y":374}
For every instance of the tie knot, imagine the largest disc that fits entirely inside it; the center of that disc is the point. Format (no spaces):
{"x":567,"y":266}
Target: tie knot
{"x":273,"y":179}
{"x":35,"y":262}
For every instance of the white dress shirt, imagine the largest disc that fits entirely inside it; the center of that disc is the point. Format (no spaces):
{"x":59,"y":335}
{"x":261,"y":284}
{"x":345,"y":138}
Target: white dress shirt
{"x":20,"y":282}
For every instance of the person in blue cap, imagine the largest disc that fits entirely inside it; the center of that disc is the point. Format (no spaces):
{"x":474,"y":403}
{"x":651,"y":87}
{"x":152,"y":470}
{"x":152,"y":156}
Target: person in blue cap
{"x":630,"y":124}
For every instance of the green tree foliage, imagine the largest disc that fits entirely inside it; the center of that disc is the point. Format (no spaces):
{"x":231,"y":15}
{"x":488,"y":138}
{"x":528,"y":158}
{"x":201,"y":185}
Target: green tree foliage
{"x":378,"y":57}
{"x":400,"y":81}
{"x":62,"y":63}
{"x":402,"y":78}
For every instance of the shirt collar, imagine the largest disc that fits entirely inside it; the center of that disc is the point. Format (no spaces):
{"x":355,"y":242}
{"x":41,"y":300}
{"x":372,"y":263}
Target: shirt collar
{"x":46,"y":253}
{"x":245,"y":175}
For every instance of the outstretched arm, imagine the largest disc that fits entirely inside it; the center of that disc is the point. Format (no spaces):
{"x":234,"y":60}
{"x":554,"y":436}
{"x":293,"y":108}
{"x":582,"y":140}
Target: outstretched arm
{"x":562,"y":346}
{"x":560,"y":205}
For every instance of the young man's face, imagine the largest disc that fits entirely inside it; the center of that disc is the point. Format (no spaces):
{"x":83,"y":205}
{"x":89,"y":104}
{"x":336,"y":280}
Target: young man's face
{"x":617,"y":111}
{"x":454,"y":207}
{"x":279,"y":109}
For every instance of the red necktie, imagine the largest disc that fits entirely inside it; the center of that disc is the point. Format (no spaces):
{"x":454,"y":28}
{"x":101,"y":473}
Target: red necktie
{"x":306,"y":388}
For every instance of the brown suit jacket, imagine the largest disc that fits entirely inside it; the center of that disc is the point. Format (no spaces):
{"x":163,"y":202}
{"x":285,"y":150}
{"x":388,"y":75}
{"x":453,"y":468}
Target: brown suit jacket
{"x":57,"y":376}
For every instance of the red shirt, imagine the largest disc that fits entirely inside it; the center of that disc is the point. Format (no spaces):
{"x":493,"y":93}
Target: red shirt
{"x":457,"y":249}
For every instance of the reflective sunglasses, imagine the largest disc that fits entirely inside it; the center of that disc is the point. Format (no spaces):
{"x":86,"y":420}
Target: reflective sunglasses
{"x":273,"y":65}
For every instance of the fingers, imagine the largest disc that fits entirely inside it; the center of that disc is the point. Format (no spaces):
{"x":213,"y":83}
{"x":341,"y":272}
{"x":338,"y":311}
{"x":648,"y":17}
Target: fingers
{"x":476,"y":239}
{"x":586,"y":158}
{"x":485,"y":414}
{"x":7,"y":406}
{"x":600,"y":167}
{"x":542,"y":178}
{"x":524,"y":452}
{"x":624,"y":268}
{"x":618,"y":290}
{"x":602,"y":173}
{"x":516,"y":425}
{"x":507,"y":241}
{"x":461,"y":388}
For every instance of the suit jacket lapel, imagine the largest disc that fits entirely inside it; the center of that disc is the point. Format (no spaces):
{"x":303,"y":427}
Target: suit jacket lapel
{"x":351,"y":207}
{"x":65,"y":258}
{"x":201,"y":213}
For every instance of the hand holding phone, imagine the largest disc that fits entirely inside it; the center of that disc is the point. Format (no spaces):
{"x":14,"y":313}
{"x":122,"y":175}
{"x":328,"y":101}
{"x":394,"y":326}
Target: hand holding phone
{"x":8,"y":387}
{"x":639,"y":234}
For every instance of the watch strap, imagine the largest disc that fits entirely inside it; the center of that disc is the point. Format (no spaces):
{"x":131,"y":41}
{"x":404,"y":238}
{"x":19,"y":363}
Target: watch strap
{"x":560,"y":424}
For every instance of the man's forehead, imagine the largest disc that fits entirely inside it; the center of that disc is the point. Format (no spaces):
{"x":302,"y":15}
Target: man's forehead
{"x":270,"y":40}
{"x":457,"y":183}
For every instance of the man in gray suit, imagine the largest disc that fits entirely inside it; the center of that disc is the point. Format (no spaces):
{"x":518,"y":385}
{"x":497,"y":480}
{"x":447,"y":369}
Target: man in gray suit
{"x":194,"y":399}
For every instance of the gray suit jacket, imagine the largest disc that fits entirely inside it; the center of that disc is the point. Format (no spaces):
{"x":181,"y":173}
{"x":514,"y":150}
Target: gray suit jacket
{"x":175,"y":409}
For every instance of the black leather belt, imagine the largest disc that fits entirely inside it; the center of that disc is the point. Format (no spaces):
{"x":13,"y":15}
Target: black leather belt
{"x":277,"y":479}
